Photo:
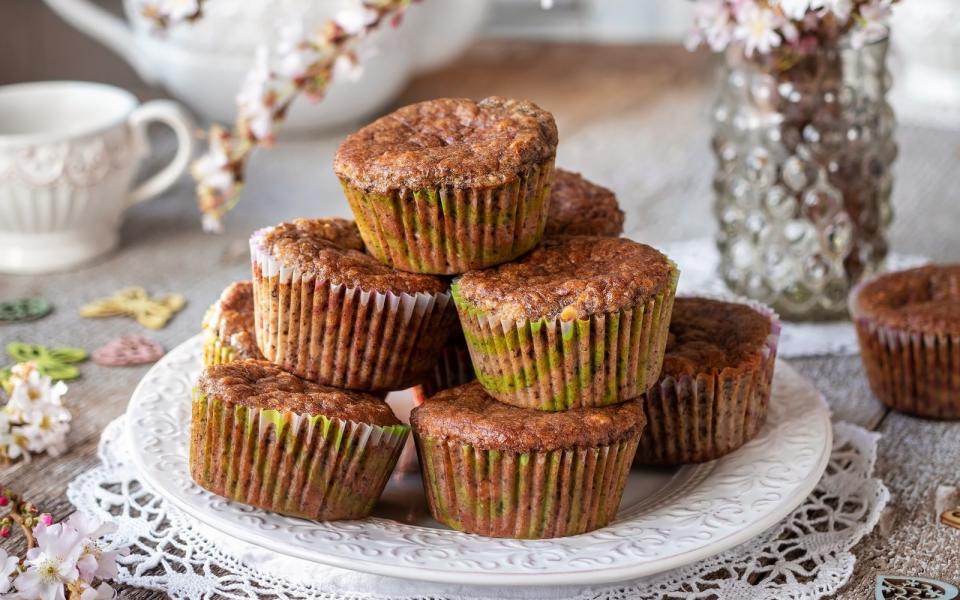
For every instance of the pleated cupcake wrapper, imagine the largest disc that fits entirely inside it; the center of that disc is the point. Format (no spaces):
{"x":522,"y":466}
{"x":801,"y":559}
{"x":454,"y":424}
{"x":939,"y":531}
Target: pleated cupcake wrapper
{"x":452,"y":369}
{"x":450,"y":231}
{"x":552,"y":364}
{"x":909,"y":371}
{"x":216,"y":352}
{"x":701,"y":417}
{"x":541,"y":494}
{"x":344,"y":336}
{"x":300,"y":465}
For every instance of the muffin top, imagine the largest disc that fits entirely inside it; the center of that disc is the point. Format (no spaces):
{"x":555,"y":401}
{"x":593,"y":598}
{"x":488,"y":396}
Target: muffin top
{"x":448,"y":142}
{"x":231,"y":319}
{"x":579,"y":207}
{"x":925,"y":299}
{"x":571,"y":277}
{"x":332,"y":250}
{"x":708,"y":336}
{"x":260,"y":384}
{"x":469,"y":415}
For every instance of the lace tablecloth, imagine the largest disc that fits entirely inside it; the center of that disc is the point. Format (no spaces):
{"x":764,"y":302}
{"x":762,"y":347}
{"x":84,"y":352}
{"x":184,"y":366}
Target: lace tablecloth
{"x":806,"y":556}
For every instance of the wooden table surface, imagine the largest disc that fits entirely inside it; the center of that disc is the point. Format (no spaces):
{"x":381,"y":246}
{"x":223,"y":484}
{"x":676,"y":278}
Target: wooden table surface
{"x":633,"y":118}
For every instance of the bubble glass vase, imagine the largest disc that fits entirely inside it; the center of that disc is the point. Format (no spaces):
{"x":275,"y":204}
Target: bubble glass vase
{"x":804,"y":147}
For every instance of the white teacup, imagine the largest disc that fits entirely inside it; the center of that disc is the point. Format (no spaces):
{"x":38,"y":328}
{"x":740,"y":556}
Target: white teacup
{"x":69,"y":153}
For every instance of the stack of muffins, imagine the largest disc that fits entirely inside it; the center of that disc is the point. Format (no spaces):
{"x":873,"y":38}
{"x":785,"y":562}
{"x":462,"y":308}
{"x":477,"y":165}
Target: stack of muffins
{"x":564,"y":325}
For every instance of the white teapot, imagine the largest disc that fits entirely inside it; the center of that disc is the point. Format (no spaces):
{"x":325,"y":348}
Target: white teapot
{"x":203,"y":62}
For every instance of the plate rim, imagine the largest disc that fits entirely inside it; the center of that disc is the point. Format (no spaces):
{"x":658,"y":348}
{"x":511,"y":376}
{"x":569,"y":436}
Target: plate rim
{"x":479,"y":578}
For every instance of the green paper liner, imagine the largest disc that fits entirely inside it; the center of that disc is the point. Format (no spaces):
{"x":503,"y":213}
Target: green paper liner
{"x":448,"y":231}
{"x":697,"y":418}
{"x":534,"y":495}
{"x":911,"y":372}
{"x":553,"y":365}
{"x":216,"y":352}
{"x":299,"y":465}
{"x":453,"y":368}
{"x":343,"y":336}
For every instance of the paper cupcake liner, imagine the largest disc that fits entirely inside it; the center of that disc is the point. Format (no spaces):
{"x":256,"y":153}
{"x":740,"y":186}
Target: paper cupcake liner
{"x":344,"y":336}
{"x":535,"y":495}
{"x":697,"y":418}
{"x":216,"y":352}
{"x":909,"y":371}
{"x":452,"y":369}
{"x":449,"y":231}
{"x":551,"y":364}
{"x":300,"y":465}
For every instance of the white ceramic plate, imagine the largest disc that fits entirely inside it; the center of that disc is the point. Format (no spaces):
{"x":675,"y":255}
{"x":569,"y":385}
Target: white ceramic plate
{"x":667,"y":518}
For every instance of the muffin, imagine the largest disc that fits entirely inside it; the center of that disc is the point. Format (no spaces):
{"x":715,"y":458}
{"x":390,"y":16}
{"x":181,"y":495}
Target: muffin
{"x":450,"y":185}
{"x":453,"y":368}
{"x":579,"y":321}
{"x":714,"y":389}
{"x":579,"y":207}
{"x":228,"y":332}
{"x":908,"y":324}
{"x":497,"y":470}
{"x":265,"y":437}
{"x":329,"y":312}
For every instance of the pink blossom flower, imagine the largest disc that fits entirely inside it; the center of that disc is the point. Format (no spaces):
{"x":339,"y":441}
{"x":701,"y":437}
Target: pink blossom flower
{"x":872,"y":23}
{"x":253,"y":101}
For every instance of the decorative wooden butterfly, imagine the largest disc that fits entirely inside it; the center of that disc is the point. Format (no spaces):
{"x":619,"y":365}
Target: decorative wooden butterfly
{"x":56,"y":363}
{"x":951,"y":517}
{"x":128,"y":350}
{"x":24,"y":309}
{"x":896,"y":587}
{"x":134,"y":302}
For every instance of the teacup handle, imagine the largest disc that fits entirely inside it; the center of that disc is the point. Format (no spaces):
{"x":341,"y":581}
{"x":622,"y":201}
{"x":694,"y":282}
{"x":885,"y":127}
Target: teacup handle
{"x":172,"y":115}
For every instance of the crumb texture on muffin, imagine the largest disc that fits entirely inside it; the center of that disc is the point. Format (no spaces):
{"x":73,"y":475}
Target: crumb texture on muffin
{"x":468,"y":415}
{"x":448,"y":142}
{"x":925,"y":299}
{"x":580,"y":207}
{"x":332,"y":250}
{"x":570,"y":277}
{"x":231,"y":319}
{"x":260,"y":384}
{"x":709,"y":335}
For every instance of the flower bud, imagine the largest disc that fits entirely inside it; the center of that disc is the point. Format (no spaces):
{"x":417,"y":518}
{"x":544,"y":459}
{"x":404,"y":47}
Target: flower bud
{"x":46,"y":519}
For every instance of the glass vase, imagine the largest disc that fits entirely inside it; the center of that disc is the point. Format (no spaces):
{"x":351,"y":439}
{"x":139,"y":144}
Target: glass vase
{"x":804,"y":148}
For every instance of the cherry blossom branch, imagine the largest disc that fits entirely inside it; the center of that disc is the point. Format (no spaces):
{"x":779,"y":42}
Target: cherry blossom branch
{"x":301,"y":63}
{"x":796,"y":27}
{"x":24,"y":515}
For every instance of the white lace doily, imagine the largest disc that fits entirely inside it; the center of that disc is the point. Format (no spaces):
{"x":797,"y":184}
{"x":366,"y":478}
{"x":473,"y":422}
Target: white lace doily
{"x":805,"y":556}
{"x":698,"y":260}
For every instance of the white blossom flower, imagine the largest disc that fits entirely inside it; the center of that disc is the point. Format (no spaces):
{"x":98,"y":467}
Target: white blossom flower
{"x":253,"y":98}
{"x":211,"y":223}
{"x":52,"y":564}
{"x":794,"y":9}
{"x":36,"y":419}
{"x":295,"y":52}
{"x":101,"y":592}
{"x":714,"y":19}
{"x":347,"y":67}
{"x":756,"y":28}
{"x":176,"y":10}
{"x":356,"y":19}
{"x":8,"y":567}
{"x":212,"y":169}
{"x":872,"y":23}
